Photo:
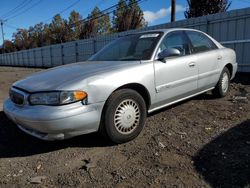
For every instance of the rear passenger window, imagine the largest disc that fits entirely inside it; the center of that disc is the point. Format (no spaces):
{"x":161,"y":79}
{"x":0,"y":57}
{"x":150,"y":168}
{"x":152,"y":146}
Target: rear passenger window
{"x":200,"y":42}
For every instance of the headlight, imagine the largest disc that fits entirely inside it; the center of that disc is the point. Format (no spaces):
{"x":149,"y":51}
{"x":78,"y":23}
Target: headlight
{"x":57,"y":97}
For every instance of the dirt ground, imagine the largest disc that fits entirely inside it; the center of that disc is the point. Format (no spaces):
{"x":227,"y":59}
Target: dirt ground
{"x":202,"y":142}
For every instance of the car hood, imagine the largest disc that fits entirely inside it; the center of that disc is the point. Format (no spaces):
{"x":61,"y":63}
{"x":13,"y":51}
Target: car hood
{"x":54,"y":78}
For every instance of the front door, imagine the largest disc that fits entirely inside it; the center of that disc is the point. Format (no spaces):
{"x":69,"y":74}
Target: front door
{"x":176,"y":77}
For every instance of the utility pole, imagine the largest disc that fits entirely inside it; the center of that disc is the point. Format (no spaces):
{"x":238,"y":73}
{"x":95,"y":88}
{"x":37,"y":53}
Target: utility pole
{"x":173,"y":6}
{"x":1,"y":22}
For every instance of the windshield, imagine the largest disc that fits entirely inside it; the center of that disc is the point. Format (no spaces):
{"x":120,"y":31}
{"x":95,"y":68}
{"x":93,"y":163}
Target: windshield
{"x":129,"y":48}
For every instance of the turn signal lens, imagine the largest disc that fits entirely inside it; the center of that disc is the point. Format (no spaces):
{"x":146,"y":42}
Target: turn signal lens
{"x":79,"y":95}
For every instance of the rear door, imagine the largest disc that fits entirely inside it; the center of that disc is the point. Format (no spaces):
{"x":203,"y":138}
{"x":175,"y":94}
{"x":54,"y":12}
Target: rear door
{"x":207,"y":59}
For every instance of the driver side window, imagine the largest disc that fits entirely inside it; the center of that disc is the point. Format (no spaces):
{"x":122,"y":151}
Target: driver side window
{"x":175,"y":40}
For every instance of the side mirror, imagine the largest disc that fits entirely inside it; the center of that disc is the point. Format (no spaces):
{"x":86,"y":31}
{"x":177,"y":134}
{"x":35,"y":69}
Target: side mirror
{"x":169,"y":52}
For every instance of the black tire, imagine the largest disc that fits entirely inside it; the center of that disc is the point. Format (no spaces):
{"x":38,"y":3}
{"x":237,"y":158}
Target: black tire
{"x":220,"y":91}
{"x":112,"y":118}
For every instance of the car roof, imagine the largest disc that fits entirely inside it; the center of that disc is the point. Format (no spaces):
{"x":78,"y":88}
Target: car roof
{"x":166,"y":30}
{"x":175,"y":29}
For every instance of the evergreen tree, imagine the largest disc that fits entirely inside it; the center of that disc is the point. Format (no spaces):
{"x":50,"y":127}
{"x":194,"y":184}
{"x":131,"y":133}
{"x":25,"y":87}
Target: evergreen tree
{"x":101,"y":22}
{"x":205,"y":7}
{"x":9,"y":46}
{"x":135,"y":15}
{"x":105,"y":25}
{"x":95,"y":18}
{"x":22,"y":39}
{"x":120,"y":16}
{"x":59,"y":30}
{"x":128,"y":16}
{"x":37,"y":35}
{"x":74,"y":23}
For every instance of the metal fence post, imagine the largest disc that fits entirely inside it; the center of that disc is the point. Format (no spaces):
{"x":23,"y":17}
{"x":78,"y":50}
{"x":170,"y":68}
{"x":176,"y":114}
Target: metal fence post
{"x":34,"y":55}
{"x":42,"y":57}
{"x":76,"y":51}
{"x":23,"y":58}
{"x":94,"y":46}
{"x":62,"y":54}
{"x":28,"y":57}
{"x":51,"y":57}
{"x":207,"y":26}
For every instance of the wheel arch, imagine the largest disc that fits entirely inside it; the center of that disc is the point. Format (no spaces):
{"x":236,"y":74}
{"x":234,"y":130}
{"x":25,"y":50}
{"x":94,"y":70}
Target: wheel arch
{"x":142,"y":90}
{"x":229,"y":66}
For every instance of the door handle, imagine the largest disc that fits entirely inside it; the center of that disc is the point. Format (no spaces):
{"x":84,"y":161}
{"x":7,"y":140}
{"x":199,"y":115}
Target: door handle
{"x":219,"y":57}
{"x":192,"y":64}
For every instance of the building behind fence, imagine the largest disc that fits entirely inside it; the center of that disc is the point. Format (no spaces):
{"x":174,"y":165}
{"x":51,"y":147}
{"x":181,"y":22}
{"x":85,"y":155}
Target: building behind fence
{"x":231,"y":28}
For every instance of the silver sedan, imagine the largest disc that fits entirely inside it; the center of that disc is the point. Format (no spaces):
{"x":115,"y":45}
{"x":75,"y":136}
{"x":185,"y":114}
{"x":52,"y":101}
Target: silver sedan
{"x":116,"y":88}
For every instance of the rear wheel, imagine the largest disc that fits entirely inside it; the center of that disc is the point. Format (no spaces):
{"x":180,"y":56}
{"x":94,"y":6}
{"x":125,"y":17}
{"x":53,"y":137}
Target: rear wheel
{"x":124,"y":116}
{"x":222,"y":87}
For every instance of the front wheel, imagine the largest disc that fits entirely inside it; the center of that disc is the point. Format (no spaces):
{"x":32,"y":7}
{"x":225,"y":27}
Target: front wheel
{"x":124,"y":116}
{"x":222,"y":87}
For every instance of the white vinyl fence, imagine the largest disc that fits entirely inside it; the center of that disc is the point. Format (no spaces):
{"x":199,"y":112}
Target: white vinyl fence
{"x":231,"y":28}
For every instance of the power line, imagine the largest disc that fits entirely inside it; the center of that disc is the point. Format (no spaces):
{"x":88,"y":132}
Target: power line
{"x":11,"y":26}
{"x":67,"y":8}
{"x":27,"y":9}
{"x":104,"y":12}
{"x":14,"y":27}
{"x":70,"y":6}
{"x":245,"y":1}
{"x":8,"y":33}
{"x":89,"y":9}
{"x":97,"y":4}
{"x":19,"y":7}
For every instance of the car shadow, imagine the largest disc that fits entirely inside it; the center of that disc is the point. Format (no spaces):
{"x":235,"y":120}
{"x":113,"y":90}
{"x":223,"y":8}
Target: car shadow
{"x":15,"y":143}
{"x":203,"y":96}
{"x":225,"y":161}
{"x":242,"y":78}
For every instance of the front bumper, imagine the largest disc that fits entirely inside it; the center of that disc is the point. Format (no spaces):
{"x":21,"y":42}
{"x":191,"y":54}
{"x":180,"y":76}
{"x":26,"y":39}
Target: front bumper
{"x":55,"y":122}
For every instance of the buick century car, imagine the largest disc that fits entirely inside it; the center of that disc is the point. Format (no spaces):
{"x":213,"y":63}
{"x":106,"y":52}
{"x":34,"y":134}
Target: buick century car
{"x":116,"y":88}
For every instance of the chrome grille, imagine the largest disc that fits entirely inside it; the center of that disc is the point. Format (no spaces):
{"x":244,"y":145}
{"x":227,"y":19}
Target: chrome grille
{"x":16,"y":97}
